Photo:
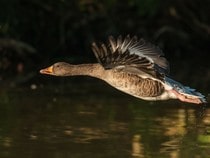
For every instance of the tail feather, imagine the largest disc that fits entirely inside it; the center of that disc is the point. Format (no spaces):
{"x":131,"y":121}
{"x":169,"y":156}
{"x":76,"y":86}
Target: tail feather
{"x":185,"y":93}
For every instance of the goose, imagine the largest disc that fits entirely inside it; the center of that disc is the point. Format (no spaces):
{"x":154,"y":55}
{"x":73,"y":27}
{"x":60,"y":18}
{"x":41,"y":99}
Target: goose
{"x":133,"y":66}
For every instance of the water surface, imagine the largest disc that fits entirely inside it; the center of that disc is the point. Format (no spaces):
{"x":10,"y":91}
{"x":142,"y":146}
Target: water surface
{"x":94,"y":120}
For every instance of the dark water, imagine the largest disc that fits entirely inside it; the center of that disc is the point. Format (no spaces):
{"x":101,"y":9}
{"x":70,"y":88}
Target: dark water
{"x":96,"y":121}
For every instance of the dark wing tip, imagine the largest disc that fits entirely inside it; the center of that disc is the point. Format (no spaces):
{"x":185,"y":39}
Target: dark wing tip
{"x":96,"y":51}
{"x":95,"y":48}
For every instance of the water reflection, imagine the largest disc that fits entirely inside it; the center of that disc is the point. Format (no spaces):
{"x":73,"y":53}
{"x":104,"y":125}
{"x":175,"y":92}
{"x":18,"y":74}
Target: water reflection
{"x":137,"y":147}
{"x":43,"y":126}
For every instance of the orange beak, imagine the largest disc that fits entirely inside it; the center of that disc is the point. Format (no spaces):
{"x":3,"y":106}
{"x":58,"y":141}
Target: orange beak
{"x":48,"y":70}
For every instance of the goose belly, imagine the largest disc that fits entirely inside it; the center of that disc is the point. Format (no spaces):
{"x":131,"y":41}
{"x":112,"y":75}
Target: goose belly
{"x":134,"y":85}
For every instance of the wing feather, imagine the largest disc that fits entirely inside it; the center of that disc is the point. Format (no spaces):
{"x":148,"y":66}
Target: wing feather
{"x":131,"y":54}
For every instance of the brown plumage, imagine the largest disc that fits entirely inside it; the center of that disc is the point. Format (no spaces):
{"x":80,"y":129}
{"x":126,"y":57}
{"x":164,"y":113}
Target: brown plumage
{"x":133,"y":66}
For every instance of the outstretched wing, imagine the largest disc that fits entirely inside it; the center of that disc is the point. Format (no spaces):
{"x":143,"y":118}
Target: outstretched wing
{"x":132,"y":55}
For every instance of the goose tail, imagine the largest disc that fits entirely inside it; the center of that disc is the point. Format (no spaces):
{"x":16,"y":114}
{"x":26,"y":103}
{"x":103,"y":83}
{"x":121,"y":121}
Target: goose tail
{"x":184,"y":93}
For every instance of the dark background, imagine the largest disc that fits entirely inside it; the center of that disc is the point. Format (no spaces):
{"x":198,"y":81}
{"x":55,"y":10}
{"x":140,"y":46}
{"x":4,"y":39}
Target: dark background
{"x":36,"y":33}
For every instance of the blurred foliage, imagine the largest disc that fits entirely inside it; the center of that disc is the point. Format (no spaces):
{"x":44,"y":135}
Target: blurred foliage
{"x":59,"y":29}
